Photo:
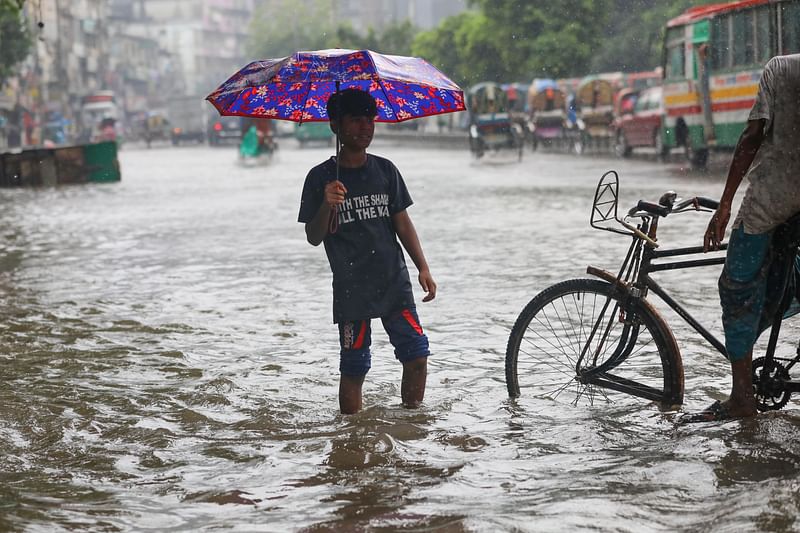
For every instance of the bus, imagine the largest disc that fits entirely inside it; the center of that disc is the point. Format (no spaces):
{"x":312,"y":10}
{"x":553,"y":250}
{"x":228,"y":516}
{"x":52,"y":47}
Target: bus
{"x":713,"y":56}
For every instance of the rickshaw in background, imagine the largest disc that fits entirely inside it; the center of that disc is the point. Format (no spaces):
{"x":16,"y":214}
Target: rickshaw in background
{"x":156,"y":127}
{"x":491,"y":127}
{"x":517,"y":94}
{"x":258,"y":141}
{"x":547,"y":113}
{"x":595,"y":106}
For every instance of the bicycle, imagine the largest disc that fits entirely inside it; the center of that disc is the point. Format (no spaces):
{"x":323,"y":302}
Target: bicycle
{"x":586,"y":338}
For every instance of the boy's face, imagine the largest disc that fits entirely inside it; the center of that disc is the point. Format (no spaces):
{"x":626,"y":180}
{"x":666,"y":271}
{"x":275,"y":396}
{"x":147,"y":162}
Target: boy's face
{"x":356,"y":131}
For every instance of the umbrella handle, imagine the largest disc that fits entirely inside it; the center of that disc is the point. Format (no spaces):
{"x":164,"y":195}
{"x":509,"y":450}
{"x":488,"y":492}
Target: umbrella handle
{"x":333,"y":220}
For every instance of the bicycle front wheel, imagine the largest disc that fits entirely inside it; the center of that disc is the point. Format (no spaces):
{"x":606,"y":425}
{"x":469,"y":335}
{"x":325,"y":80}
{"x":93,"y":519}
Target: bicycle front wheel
{"x":582,"y":341}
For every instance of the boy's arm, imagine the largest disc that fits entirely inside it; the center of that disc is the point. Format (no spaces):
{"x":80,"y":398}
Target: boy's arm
{"x":408,"y":237}
{"x":317,"y":228}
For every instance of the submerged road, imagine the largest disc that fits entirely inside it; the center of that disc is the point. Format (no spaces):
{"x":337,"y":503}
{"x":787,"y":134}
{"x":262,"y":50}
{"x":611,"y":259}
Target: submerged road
{"x":168,"y":362}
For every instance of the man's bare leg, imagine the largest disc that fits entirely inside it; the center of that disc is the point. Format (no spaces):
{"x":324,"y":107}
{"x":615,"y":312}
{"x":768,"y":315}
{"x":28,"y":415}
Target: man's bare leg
{"x":412,"y":389}
{"x":350,"y":394}
{"x":742,"y":401}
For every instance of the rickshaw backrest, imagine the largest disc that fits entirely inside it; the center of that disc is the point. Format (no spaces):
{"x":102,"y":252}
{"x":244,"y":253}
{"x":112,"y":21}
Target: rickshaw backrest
{"x":545,"y":95}
{"x":596,"y":93}
{"x":487,"y":97}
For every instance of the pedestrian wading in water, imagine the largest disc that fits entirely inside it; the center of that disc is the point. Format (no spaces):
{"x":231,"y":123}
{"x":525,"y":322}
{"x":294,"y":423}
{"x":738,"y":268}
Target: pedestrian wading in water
{"x":768,"y":154}
{"x":360,"y":217}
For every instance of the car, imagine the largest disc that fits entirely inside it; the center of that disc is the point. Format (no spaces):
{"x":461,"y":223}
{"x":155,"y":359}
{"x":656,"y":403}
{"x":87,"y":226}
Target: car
{"x":639,"y":122}
{"x":225,"y":130}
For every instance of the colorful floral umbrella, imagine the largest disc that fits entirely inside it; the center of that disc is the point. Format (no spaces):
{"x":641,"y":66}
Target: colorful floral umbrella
{"x":297,"y":87}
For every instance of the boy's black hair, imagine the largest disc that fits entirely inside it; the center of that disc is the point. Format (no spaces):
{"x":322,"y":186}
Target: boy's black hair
{"x":353,"y":102}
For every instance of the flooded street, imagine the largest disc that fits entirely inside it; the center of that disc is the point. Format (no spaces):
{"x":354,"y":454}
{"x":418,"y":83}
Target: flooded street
{"x":168,"y":362}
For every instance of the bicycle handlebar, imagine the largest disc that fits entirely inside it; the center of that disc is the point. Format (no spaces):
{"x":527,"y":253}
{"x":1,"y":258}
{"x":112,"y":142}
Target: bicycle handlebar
{"x":649,"y":207}
{"x":708,"y":203}
{"x":661,"y":210}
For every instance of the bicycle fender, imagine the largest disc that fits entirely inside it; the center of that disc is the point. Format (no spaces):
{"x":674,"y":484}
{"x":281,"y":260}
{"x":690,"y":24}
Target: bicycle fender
{"x":669,"y":337}
{"x":605,"y":275}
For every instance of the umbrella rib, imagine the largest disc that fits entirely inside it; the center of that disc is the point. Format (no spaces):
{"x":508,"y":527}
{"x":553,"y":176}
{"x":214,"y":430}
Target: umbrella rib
{"x":380,"y":84}
{"x":307,"y":83}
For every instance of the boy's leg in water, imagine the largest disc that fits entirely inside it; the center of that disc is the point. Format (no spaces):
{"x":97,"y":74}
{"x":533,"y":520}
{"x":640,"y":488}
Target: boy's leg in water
{"x":410,"y":348}
{"x":350,"y":394}
{"x":412,"y":388}
{"x":354,"y":363}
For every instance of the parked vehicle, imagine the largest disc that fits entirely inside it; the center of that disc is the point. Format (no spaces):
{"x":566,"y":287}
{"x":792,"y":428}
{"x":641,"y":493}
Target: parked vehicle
{"x":639,"y":121}
{"x":152,"y":126}
{"x":713,"y":58}
{"x":313,"y":132}
{"x":643,"y":79}
{"x":547,"y":112}
{"x":491,"y":127}
{"x":226,"y":130}
{"x":187,"y":117}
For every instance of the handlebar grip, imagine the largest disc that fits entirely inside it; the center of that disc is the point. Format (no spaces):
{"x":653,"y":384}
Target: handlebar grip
{"x":649,"y":207}
{"x":708,"y":203}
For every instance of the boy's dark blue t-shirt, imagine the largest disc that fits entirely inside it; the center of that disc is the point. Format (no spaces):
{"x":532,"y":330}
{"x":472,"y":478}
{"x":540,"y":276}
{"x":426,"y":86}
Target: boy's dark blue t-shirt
{"x":370,"y":278}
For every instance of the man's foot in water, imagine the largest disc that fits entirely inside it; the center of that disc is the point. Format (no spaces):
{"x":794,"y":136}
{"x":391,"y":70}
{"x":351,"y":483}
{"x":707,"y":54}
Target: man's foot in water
{"x":719,"y":411}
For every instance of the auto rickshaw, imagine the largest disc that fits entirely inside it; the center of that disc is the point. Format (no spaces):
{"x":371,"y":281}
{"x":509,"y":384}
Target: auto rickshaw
{"x":258,"y":141}
{"x":491,"y":127}
{"x":595,"y":103}
{"x":547,"y":113}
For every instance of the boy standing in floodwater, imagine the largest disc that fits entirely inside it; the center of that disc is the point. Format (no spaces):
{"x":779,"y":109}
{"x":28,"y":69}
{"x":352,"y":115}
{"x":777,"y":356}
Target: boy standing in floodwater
{"x":359,"y":217}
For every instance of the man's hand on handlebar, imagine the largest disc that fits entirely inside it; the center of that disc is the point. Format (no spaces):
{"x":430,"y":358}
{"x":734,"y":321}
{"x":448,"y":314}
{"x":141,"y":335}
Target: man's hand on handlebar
{"x":715,"y":232}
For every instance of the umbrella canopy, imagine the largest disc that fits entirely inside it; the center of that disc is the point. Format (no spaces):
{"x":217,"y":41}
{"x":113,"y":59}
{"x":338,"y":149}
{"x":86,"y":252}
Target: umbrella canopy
{"x":297,"y":87}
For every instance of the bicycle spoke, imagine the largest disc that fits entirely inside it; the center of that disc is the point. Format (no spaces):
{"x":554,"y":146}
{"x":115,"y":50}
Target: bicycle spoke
{"x":579,"y":345}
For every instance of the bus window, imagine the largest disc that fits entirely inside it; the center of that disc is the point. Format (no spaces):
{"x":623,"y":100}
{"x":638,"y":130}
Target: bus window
{"x":743,"y":53}
{"x":720,"y":43}
{"x":790,"y":23}
{"x":676,"y":58}
{"x":764,"y":33}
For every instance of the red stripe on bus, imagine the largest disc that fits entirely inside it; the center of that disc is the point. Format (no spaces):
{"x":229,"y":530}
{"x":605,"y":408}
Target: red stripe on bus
{"x":732,"y":106}
{"x":685,"y":110}
{"x":718,"y":107}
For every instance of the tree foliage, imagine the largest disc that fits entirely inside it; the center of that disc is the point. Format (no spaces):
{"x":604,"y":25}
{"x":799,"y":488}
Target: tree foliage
{"x":506,"y":40}
{"x":282,"y":27}
{"x":516,"y":40}
{"x":634,"y":36}
{"x":500,"y":40}
{"x":14,"y":38}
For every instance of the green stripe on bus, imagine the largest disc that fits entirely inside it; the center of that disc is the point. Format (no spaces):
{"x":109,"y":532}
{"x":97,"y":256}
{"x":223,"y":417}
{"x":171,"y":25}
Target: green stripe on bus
{"x":727,"y":135}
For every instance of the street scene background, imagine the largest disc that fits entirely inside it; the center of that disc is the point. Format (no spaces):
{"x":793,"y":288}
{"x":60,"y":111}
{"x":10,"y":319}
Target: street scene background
{"x":168,"y":360}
